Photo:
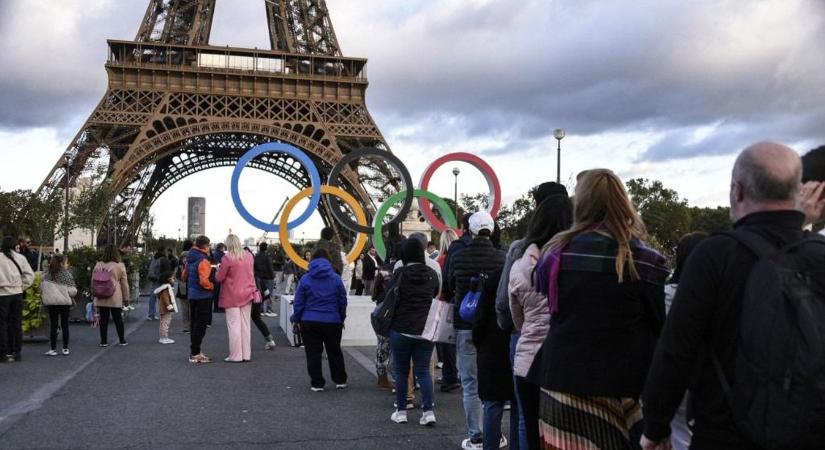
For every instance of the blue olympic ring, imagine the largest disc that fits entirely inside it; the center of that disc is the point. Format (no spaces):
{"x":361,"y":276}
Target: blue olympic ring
{"x":277,"y":147}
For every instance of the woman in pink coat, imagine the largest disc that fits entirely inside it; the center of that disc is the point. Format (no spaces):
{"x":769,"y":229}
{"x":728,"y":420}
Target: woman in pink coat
{"x":238,"y":290}
{"x":531,"y":315}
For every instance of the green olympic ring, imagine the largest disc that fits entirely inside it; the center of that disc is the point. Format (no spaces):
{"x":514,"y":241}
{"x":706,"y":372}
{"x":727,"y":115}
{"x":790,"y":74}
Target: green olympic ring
{"x":378,"y":239}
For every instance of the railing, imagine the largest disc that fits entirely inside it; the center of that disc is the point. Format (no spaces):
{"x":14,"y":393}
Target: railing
{"x":265,"y":62}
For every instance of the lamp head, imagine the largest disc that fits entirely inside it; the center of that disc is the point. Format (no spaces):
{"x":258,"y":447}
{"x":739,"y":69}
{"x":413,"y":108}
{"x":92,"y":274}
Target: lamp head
{"x":456,"y":171}
{"x":558,"y":133}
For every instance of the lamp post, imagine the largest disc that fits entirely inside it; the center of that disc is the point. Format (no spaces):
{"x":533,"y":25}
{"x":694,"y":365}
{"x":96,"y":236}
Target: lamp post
{"x":455,"y":193}
{"x":67,"y":157}
{"x":558,"y":133}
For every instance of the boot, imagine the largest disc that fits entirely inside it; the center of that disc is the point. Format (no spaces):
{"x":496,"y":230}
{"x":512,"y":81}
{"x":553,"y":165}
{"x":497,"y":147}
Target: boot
{"x":384,"y":382}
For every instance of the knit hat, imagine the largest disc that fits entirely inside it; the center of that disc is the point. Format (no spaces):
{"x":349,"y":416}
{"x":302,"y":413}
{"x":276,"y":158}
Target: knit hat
{"x":413,"y":252}
{"x":545,"y":190}
{"x":481,"y":220}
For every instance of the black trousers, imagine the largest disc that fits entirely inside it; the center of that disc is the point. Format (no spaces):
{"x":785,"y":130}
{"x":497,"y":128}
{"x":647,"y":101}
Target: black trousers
{"x":317,"y":337}
{"x":449,"y":372}
{"x":11,"y":324}
{"x":359,"y":287}
{"x":201,"y":314}
{"x":256,"y":319}
{"x":529,"y":395}
{"x":59,"y":315}
{"x":115,"y":313}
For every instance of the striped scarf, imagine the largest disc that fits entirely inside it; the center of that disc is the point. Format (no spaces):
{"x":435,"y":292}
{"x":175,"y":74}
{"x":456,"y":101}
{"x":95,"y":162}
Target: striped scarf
{"x":595,"y":252}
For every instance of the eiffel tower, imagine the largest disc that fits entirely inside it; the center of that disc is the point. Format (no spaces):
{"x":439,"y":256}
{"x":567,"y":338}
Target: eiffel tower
{"x":175,"y":106}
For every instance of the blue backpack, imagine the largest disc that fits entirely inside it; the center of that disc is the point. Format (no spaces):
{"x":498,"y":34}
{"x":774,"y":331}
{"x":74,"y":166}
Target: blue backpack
{"x":469,"y":304}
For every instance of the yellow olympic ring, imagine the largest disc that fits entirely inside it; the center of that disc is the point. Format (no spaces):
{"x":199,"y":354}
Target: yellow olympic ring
{"x":361,"y":218}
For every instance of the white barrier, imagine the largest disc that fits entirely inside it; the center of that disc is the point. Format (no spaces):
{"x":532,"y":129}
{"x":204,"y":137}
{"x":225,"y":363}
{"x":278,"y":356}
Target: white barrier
{"x":358,"y":330}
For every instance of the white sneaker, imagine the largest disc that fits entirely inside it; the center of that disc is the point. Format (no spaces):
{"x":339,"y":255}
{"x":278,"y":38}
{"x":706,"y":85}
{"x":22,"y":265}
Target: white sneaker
{"x":66,"y":351}
{"x":269,"y":345}
{"x":468,"y":444}
{"x":427,"y":419}
{"x":399,"y":417}
{"x":51,"y":353}
{"x":315,"y":389}
{"x":503,"y":442}
{"x":166,"y":341}
{"x":341,"y":386}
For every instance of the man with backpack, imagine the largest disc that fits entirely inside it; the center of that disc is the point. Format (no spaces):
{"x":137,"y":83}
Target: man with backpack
{"x":745,"y":332}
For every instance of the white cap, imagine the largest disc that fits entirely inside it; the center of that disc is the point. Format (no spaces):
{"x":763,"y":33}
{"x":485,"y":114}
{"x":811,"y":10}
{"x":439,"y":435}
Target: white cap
{"x":481,"y":220}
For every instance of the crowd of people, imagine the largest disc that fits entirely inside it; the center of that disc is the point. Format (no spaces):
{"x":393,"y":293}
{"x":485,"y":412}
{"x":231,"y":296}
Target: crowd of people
{"x":581,"y":327}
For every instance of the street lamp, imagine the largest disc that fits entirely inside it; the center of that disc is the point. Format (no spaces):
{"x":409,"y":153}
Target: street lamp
{"x":67,"y":157}
{"x":558,"y":133}
{"x":455,"y":193}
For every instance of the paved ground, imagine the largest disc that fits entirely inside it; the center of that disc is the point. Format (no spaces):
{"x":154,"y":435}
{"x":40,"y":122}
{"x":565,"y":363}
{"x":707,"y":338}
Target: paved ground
{"x":148,"y":396}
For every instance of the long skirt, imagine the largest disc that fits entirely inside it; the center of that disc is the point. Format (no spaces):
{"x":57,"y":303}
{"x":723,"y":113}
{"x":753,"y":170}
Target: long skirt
{"x":570,"y":422}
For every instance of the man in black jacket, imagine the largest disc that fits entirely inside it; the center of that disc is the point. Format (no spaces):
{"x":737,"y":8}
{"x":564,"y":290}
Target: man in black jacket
{"x":706,"y":310}
{"x":372,"y":262}
{"x":265,"y":274}
{"x":479,"y":257}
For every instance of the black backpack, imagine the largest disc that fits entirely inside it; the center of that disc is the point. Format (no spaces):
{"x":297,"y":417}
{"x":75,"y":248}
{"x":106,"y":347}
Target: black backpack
{"x":383,"y":314}
{"x":778,"y":400}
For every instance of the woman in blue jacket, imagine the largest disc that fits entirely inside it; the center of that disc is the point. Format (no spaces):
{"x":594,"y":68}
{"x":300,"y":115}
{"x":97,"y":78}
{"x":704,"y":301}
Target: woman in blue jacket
{"x":320,"y":308}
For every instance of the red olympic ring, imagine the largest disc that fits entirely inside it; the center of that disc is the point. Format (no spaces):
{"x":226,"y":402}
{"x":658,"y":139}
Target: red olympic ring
{"x":475,"y":161}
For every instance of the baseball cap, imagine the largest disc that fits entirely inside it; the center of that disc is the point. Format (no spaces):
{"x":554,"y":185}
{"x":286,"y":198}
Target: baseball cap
{"x":481,"y":220}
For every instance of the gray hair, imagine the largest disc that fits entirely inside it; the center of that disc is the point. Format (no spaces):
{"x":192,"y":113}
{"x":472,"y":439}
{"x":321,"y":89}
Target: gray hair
{"x":760,"y":184}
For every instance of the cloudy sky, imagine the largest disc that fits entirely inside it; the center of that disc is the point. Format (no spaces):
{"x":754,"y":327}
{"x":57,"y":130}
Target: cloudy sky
{"x":669,"y":90}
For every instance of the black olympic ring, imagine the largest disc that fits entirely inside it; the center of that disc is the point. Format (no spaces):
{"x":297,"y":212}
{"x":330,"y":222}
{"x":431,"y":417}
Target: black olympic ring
{"x":335,"y":203}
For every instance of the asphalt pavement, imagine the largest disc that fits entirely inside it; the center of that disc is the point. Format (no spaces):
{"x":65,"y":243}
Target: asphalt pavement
{"x":148,"y":395}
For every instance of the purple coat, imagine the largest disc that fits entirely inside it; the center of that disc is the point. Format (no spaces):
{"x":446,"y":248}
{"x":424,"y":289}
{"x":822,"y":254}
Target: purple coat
{"x":237,"y":280}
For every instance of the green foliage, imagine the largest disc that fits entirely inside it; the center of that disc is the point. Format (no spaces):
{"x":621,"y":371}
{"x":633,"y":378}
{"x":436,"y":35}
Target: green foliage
{"x":82,"y":260}
{"x":666,"y":216}
{"x":89,"y":208}
{"x":33,"y":316}
{"x":710,"y":220}
{"x":24,"y":213}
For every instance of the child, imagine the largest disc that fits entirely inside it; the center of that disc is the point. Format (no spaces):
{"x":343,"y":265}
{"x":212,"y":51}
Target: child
{"x":166,"y":305}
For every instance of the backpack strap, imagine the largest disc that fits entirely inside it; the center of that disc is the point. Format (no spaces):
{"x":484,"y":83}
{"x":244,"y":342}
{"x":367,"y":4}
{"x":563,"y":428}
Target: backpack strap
{"x":754,"y":242}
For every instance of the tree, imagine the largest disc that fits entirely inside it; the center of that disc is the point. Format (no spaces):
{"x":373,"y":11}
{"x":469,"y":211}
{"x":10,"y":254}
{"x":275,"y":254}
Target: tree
{"x":666,"y":216}
{"x":89,"y":208}
{"x":710,"y":220}
{"x":22,"y":212}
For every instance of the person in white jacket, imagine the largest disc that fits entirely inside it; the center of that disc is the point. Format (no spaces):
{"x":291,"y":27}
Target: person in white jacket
{"x":56,"y":292}
{"x":16,"y":275}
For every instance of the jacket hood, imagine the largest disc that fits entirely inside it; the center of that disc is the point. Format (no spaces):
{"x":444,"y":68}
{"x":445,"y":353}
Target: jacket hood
{"x":418,"y":272}
{"x":320,"y":268}
{"x":162,"y":287}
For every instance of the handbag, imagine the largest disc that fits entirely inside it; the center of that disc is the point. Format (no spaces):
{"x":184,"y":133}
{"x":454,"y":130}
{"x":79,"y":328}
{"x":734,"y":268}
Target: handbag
{"x":256,"y":296}
{"x":297,"y":337}
{"x":469,"y":304}
{"x":383,"y":314}
{"x":439,"y":326}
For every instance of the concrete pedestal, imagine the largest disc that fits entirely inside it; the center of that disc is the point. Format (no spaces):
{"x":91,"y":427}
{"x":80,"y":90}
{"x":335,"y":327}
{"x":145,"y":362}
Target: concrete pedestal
{"x":358,"y":331}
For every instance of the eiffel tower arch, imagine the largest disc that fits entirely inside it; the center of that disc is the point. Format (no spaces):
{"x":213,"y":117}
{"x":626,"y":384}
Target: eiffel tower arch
{"x":175,"y":106}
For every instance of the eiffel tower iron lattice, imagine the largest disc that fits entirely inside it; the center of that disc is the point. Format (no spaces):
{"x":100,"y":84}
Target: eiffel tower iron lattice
{"x":175,"y":106}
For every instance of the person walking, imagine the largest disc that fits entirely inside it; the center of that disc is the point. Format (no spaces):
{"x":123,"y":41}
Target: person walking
{"x":320,"y":309}
{"x":528,"y":309}
{"x":56,"y":293}
{"x":236,"y":275}
{"x":477,"y":259}
{"x":16,"y":275}
{"x":418,"y":284}
{"x":734,"y":321}
{"x":372,"y":262}
{"x":265,"y":274}
{"x":605,"y":290}
{"x":285,"y":286}
{"x":111,"y":307}
{"x":257,"y":312}
{"x":200,"y":287}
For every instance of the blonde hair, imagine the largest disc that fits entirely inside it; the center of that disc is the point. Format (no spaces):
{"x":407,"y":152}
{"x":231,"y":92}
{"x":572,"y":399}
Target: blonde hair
{"x":233,"y":247}
{"x":447,"y":237}
{"x":601,"y":201}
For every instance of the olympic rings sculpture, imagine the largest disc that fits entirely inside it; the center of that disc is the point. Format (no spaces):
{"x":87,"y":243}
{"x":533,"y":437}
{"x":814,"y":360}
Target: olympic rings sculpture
{"x":360,"y":226}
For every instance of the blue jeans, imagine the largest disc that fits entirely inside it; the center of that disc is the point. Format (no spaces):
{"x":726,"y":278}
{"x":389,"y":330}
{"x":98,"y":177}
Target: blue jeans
{"x":493,"y":411}
{"x":468,"y":372}
{"x":518,"y":428}
{"x":403,"y":348}
{"x":153,"y":300}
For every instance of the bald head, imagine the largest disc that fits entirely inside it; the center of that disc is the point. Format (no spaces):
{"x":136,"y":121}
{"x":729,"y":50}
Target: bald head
{"x":768,"y":172}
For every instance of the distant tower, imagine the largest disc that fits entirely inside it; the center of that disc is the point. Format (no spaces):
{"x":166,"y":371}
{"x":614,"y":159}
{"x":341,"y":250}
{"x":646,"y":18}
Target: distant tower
{"x":196,"y":224}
